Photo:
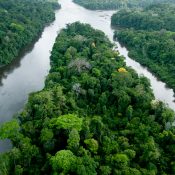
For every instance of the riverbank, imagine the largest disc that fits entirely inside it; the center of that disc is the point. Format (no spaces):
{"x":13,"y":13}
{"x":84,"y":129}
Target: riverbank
{"x":21,"y":29}
{"x":156,"y":70}
{"x":150,"y":42}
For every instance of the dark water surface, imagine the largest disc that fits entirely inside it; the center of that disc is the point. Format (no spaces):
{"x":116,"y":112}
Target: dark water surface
{"x":27,"y":73}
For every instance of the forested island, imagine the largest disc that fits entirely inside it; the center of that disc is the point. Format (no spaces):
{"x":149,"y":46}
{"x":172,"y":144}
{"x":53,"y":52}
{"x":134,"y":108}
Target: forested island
{"x":94,"y":116}
{"x":149,"y":34}
{"x":155,"y":17}
{"x":117,"y":4}
{"x":21,"y":21}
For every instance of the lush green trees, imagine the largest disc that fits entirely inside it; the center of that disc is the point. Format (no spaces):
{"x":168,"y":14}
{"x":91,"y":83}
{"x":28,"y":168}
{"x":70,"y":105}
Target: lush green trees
{"x":154,"y":17}
{"x":116,"y":4}
{"x":150,"y":40}
{"x":100,"y":120}
{"x":20,"y":23}
{"x":152,"y":49}
{"x":64,"y":160}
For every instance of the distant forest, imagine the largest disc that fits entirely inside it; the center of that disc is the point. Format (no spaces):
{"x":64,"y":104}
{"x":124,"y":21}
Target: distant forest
{"x":117,"y":4}
{"x":20,"y":23}
{"x":154,"y":17}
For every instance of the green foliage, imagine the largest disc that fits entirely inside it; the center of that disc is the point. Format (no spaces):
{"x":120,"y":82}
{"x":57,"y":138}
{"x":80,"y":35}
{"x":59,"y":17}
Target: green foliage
{"x":4,"y":164}
{"x":21,"y":21}
{"x":46,"y":134}
{"x":148,"y":40}
{"x":74,"y":139}
{"x":154,"y":17}
{"x":120,"y":161}
{"x":69,"y":121}
{"x":63,"y":160}
{"x":105,"y":170}
{"x":18,"y":170}
{"x":86,"y":165}
{"x":116,"y":4}
{"x":130,"y":153}
{"x":95,"y":121}
{"x":9,"y":129}
{"x":92,"y":145}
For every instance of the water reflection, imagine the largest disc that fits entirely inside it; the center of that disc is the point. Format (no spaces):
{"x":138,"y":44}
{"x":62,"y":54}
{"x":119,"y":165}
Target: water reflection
{"x":6,"y":70}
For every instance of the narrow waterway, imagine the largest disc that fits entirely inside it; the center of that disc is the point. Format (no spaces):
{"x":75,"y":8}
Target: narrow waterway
{"x":27,"y":74}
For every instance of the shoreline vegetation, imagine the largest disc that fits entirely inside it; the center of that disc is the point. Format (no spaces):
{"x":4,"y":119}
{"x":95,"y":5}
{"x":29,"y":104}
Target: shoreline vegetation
{"x":20,"y":23}
{"x":150,"y":40}
{"x":94,"y":116}
{"x":117,"y":4}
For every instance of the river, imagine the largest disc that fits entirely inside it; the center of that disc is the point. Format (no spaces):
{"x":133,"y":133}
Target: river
{"x":27,"y":73}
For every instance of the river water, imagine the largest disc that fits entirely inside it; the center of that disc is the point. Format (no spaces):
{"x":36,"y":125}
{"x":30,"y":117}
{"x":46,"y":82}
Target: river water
{"x":27,"y":73}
